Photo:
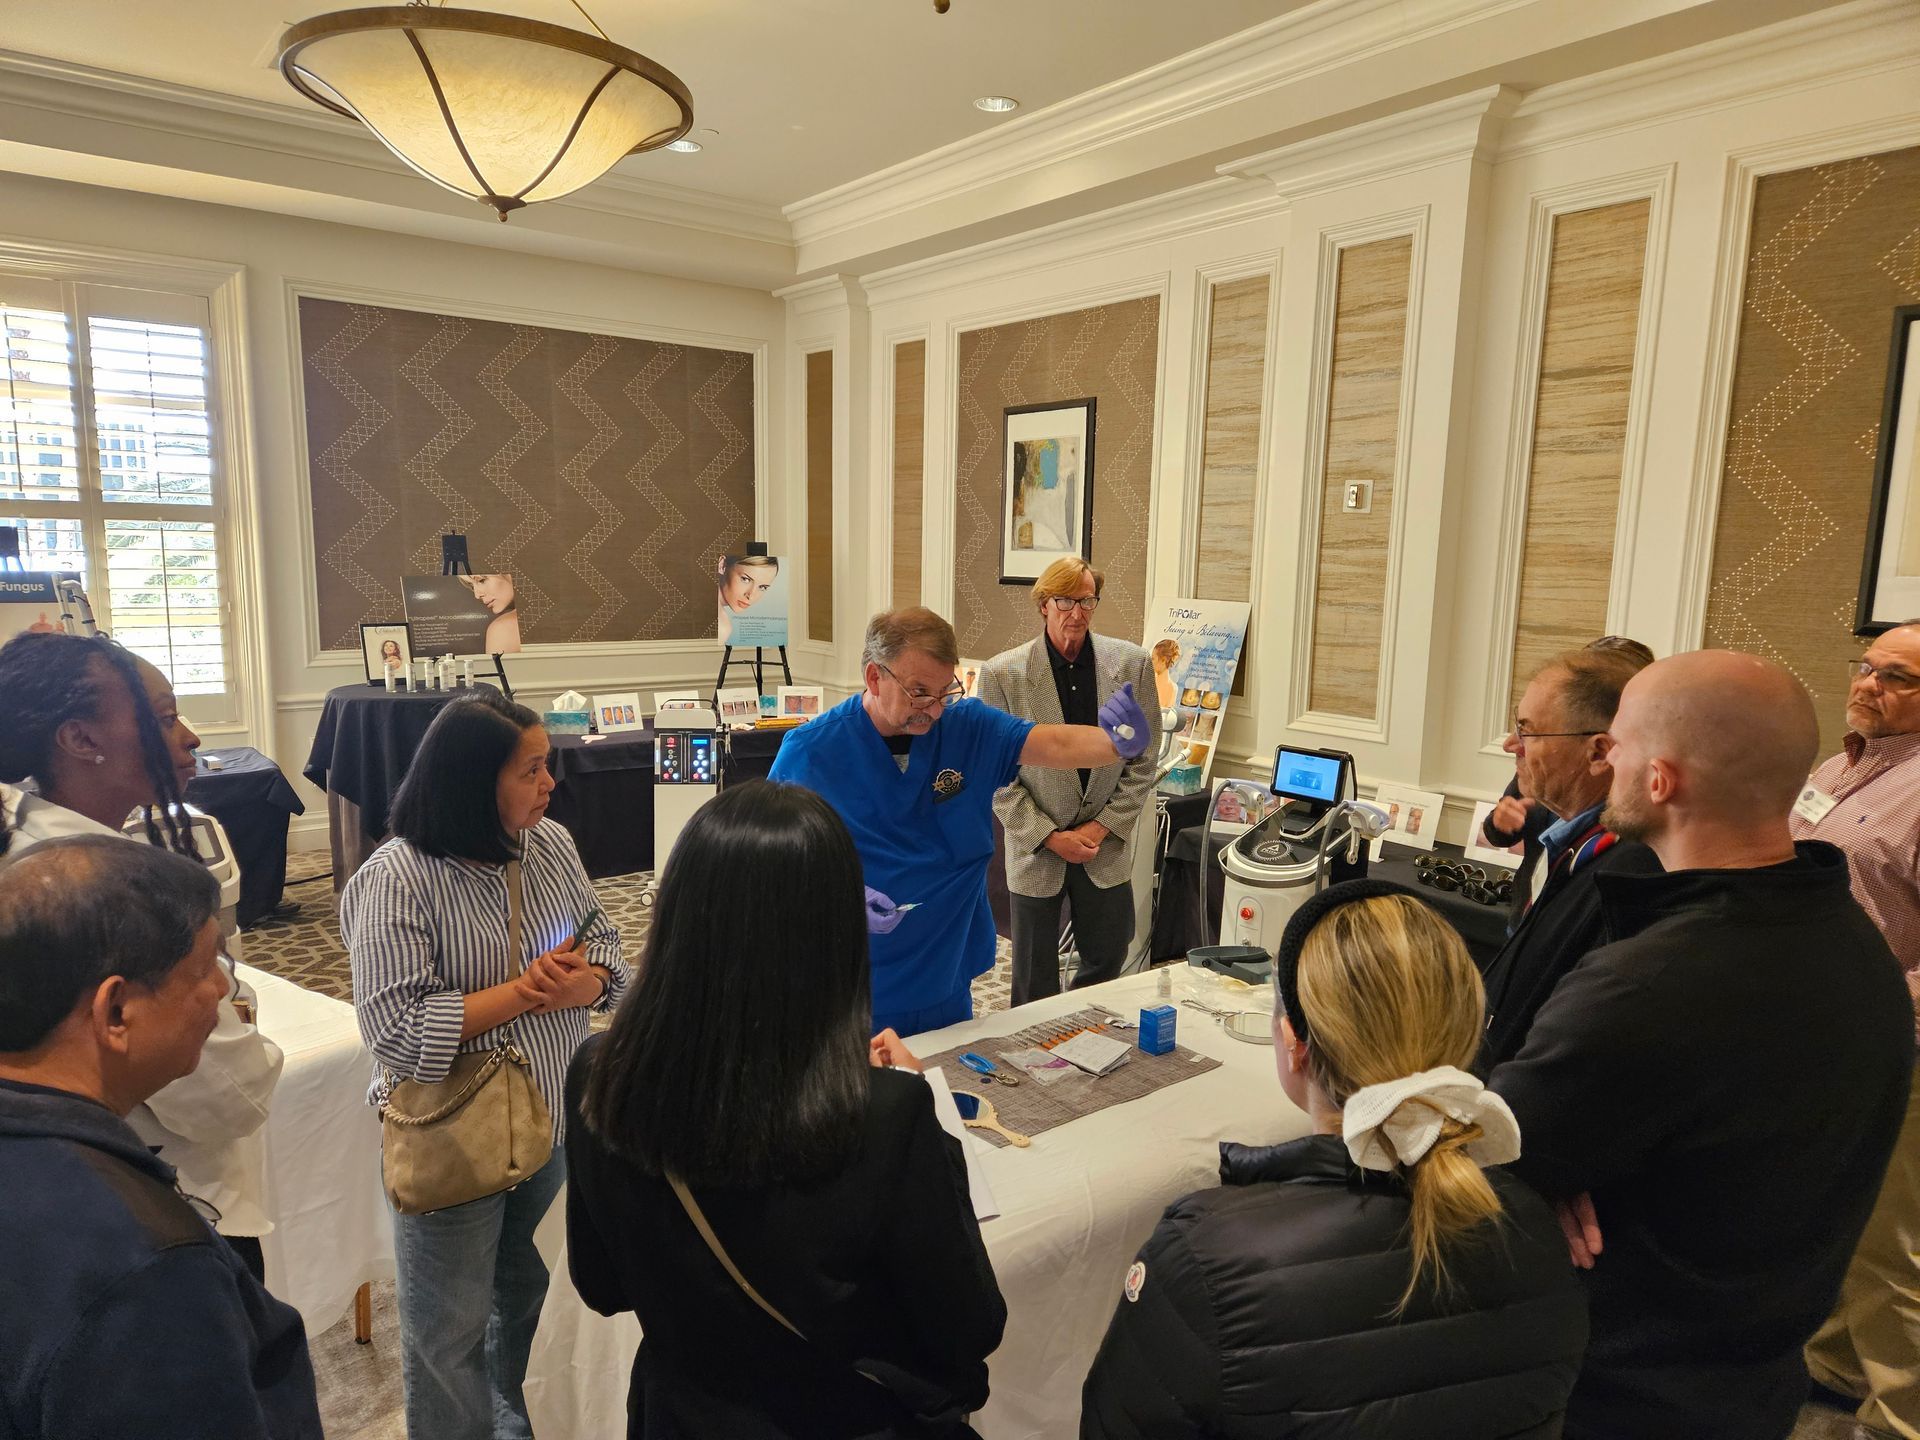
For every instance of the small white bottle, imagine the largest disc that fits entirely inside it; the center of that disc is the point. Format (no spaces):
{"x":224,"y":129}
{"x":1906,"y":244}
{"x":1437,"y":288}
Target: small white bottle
{"x":387,"y":675}
{"x":426,"y":674}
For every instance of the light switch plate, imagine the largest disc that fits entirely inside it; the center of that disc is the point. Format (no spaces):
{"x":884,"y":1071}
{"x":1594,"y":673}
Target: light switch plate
{"x":1357,"y":498}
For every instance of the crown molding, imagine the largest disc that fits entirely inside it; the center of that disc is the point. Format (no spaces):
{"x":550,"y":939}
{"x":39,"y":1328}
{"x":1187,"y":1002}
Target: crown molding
{"x":1285,"y":50}
{"x":1210,"y":205}
{"x":1464,"y":127}
{"x":80,"y":91}
{"x":1847,"y":43}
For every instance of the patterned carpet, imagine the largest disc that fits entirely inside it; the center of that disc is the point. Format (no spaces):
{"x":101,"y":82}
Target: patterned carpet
{"x":301,"y":942}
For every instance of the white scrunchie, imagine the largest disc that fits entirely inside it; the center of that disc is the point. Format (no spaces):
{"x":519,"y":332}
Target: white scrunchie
{"x":1398,"y":1122}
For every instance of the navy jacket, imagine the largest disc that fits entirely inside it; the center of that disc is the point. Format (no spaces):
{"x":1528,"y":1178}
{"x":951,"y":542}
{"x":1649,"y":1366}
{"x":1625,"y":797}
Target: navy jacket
{"x":1265,"y":1309}
{"x":1726,"y":1078}
{"x":121,"y":1313}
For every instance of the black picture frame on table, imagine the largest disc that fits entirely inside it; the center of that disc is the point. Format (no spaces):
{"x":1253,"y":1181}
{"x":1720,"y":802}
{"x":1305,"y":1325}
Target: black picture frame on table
{"x":1085,"y":422}
{"x":374,"y":644}
{"x":1898,"y":443}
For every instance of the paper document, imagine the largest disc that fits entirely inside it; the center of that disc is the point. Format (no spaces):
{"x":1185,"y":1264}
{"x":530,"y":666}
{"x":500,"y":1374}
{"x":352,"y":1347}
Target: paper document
{"x":1094,"y":1053}
{"x":985,"y":1207}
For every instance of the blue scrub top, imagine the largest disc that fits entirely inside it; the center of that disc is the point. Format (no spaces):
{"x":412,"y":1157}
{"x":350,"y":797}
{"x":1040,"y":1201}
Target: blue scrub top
{"x":924,"y":837}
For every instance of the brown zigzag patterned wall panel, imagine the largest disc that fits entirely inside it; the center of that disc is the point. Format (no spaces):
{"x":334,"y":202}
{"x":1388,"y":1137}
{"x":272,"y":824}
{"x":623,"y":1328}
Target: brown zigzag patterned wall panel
{"x":1834,"y":249}
{"x":1110,"y":352}
{"x":608,"y":474}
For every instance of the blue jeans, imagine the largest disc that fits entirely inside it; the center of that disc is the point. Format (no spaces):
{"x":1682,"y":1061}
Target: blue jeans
{"x":470,"y":1286}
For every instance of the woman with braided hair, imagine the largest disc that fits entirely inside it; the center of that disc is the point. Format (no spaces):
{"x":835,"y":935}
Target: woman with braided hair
{"x":97,"y":731}
{"x":1373,"y":1277}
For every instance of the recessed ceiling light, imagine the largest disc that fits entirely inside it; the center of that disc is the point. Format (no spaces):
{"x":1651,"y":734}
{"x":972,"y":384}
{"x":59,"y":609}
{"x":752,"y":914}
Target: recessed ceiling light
{"x":685,"y":147}
{"x":992,"y":104}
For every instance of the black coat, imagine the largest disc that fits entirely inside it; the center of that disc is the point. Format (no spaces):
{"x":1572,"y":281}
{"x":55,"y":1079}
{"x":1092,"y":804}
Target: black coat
{"x":1560,"y":927}
{"x":1266,"y":1309}
{"x":1726,"y":1079}
{"x":881,"y":1263}
{"x":122,"y":1314}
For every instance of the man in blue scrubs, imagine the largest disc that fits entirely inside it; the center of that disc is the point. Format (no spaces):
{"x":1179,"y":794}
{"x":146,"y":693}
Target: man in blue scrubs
{"x":912,"y":768}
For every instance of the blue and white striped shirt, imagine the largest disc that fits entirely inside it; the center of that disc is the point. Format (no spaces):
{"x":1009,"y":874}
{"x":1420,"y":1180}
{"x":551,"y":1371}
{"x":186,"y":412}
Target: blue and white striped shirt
{"x":423,"y":932}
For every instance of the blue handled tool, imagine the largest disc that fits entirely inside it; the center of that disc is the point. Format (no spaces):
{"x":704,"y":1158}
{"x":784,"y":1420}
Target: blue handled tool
{"x":980,"y":1065}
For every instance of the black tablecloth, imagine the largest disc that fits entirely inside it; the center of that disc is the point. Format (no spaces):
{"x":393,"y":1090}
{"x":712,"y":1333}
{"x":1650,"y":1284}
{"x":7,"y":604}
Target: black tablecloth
{"x":254,"y":804}
{"x":365,"y":741}
{"x":1183,"y":923}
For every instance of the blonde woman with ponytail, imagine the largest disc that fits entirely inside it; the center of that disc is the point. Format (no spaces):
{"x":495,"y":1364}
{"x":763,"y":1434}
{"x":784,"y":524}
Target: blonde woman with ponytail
{"x":1373,"y":1278}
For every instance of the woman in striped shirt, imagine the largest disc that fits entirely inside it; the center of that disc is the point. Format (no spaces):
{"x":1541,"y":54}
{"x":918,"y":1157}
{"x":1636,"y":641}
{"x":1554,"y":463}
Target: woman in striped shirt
{"x":426,"y":921}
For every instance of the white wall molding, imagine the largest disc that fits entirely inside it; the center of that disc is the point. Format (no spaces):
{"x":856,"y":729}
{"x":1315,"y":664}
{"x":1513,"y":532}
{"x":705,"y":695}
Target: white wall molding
{"x":296,"y":288}
{"x":1545,"y":209}
{"x":1334,"y":241}
{"x":1845,"y":45}
{"x":1744,"y":170}
{"x":1466,"y":126}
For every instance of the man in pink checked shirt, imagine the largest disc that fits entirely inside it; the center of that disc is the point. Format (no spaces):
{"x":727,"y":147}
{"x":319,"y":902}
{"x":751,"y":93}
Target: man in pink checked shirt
{"x":1866,"y":800}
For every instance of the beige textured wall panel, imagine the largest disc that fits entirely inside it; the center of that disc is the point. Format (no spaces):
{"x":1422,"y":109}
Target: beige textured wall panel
{"x":820,"y":495}
{"x":607,"y":474}
{"x":1363,"y":437}
{"x":1833,"y":250}
{"x":1110,"y":352}
{"x":1590,"y":332}
{"x":909,"y":467}
{"x":1230,"y":453}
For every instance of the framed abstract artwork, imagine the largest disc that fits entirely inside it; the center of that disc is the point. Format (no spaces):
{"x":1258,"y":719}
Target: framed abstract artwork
{"x":1890,"y":570}
{"x":1046,"y":490}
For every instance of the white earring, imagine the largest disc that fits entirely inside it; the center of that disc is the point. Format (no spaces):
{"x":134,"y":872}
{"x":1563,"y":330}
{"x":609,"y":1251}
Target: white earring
{"x":99,"y":759}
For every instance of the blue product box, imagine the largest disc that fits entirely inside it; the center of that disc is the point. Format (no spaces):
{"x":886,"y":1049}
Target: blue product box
{"x":1182,"y":780}
{"x":1156,"y":1028}
{"x":567,"y":722}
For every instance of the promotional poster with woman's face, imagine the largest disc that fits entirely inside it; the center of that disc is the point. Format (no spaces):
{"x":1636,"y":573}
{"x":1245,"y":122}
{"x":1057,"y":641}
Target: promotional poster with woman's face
{"x":462,"y":614}
{"x":753,"y":601}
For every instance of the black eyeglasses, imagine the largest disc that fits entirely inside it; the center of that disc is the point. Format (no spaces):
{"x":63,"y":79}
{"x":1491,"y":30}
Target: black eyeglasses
{"x":920,"y":699}
{"x":1064,"y":603}
{"x":1468,"y":880}
{"x":1521,"y":733}
{"x":1898,"y":682}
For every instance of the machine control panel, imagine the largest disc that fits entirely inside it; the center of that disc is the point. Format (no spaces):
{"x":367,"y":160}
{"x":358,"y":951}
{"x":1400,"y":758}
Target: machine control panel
{"x":682,"y":757}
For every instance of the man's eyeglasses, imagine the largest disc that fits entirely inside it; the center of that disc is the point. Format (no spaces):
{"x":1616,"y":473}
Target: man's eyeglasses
{"x":1064,"y":603}
{"x":922,"y":699}
{"x":1523,"y":734}
{"x":1897,"y":681}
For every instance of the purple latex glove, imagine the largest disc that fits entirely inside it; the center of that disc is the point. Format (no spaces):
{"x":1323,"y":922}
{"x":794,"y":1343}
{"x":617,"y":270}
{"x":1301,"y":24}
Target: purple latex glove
{"x":1125,"y":723}
{"x":882,"y":915}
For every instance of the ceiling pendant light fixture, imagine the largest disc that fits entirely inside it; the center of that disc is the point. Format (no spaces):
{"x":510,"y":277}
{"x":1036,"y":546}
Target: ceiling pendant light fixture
{"x":500,"y":109}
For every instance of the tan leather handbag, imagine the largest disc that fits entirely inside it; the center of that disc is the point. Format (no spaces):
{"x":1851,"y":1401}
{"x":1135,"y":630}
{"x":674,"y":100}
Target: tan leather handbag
{"x":483,"y":1129}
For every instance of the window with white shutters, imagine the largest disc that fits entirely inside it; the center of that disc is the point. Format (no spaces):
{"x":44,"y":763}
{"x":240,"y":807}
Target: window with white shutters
{"x":109,"y":467}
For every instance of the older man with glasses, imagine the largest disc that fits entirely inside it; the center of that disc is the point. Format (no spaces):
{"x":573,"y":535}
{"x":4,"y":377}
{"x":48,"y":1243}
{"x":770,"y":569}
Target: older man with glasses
{"x":1070,"y":836}
{"x":912,"y":767}
{"x":1866,"y":800}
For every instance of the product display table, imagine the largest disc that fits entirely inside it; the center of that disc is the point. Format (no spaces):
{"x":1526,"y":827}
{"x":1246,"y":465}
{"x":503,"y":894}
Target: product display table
{"x":254,"y":804}
{"x":332,"y":1232}
{"x":1074,"y":1210}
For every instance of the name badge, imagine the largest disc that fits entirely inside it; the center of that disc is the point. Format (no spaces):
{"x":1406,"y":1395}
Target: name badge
{"x":1813,"y":804}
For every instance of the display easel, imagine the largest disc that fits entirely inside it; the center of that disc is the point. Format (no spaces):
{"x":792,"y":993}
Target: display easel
{"x":759,"y":661}
{"x":453,"y":561}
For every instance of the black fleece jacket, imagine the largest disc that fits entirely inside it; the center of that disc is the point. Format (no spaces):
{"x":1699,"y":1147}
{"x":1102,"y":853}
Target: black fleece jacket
{"x":122,"y":1314}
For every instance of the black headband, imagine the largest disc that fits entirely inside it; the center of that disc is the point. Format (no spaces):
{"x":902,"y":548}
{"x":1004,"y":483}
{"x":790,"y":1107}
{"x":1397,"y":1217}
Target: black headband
{"x":1286,"y":963}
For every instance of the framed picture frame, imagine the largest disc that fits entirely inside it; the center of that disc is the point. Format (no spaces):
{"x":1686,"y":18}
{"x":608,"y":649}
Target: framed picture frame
{"x":618,"y":711}
{"x":1890,"y":569}
{"x":1046,"y":486}
{"x":800,"y":702}
{"x":384,"y":648}
{"x":1413,"y":817}
{"x":1477,"y":848}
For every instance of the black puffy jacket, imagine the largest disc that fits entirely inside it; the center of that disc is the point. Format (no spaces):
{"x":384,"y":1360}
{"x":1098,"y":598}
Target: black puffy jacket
{"x":1266,"y":1309}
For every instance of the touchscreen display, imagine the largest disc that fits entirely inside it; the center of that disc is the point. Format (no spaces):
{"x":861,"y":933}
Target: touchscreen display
{"x":1301,"y":775}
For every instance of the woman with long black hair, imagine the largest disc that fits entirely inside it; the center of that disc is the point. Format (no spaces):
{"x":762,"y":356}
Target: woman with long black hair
{"x":98,"y":733}
{"x":738,"y":1091}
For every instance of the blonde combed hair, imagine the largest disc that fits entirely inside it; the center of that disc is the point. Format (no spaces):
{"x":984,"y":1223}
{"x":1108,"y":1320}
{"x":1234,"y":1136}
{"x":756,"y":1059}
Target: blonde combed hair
{"x":1062,"y":577}
{"x":1390,"y":991}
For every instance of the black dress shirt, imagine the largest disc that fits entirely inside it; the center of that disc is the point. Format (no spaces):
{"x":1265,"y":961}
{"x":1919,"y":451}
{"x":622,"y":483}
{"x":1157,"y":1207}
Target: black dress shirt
{"x":1078,"y":686}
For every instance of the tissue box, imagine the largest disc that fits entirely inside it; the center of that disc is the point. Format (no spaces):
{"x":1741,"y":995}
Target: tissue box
{"x":1182,"y":780}
{"x":567,"y":722}
{"x":1156,"y":1028}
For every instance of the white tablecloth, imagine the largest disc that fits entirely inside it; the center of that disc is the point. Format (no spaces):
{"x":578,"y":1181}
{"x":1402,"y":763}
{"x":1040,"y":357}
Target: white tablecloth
{"x":1074,"y":1210}
{"x":331,"y":1231}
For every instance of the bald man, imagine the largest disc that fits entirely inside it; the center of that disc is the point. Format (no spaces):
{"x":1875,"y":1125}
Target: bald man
{"x":1712,"y":1096}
